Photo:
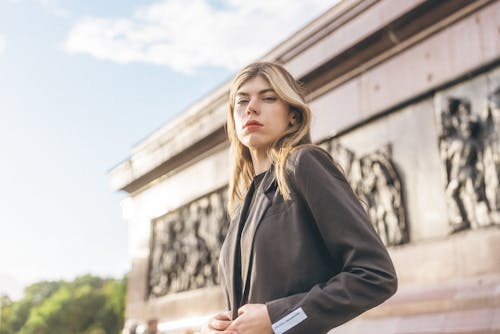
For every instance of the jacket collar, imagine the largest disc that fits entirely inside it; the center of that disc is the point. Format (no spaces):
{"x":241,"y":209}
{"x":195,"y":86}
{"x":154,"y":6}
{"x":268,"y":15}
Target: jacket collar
{"x":268,"y":180}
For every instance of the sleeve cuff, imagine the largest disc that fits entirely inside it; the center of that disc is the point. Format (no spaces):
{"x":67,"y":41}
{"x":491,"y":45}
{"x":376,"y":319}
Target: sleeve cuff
{"x":288,"y":321}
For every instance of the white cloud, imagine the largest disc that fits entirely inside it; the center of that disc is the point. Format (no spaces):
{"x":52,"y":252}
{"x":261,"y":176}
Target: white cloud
{"x":3,"y":43}
{"x":186,"y":35}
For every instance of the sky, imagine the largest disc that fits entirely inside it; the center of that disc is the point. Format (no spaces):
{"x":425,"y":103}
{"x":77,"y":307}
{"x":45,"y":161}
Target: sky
{"x":82,"y":83}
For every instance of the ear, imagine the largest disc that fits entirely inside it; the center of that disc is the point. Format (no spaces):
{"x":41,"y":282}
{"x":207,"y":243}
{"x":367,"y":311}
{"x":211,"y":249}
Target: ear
{"x":292,"y":118}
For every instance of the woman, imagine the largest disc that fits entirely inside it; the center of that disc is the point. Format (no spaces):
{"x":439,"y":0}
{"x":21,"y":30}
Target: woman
{"x":300,"y":255}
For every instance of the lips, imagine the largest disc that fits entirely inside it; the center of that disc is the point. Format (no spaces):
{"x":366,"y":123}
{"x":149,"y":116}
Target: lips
{"x":252,"y":124}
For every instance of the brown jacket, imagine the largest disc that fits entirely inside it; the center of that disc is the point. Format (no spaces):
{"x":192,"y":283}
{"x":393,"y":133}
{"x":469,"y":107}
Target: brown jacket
{"x":315,"y":261}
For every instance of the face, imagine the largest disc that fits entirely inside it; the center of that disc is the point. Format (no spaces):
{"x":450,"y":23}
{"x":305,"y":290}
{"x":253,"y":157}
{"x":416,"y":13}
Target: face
{"x":260,"y":116}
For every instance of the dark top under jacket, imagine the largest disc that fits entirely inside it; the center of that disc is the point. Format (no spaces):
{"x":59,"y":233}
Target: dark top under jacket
{"x":315,"y":260}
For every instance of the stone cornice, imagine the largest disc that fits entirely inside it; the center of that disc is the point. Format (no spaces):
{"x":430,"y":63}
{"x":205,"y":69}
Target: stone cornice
{"x":329,"y":51}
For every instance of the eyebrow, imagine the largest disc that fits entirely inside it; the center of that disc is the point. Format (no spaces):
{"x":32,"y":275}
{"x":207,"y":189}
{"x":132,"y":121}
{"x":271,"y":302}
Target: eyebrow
{"x":267,"y":90}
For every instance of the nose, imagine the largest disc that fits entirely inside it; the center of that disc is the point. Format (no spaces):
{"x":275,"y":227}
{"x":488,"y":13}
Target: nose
{"x":252,"y":107}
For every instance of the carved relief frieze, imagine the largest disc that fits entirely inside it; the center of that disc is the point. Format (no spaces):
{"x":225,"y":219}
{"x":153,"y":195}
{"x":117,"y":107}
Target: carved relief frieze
{"x":185,"y":246}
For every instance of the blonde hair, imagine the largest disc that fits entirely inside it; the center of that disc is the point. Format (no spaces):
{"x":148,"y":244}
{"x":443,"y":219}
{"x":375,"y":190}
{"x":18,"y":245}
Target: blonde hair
{"x":291,"y":92}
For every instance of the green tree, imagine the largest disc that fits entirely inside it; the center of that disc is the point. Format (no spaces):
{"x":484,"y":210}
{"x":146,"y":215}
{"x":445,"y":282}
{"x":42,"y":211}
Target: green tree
{"x":19,"y":311}
{"x":88,"y":304}
{"x":5,"y":313}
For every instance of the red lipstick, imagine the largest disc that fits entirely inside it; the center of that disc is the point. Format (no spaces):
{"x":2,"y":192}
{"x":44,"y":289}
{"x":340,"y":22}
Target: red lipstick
{"x":252,"y":125}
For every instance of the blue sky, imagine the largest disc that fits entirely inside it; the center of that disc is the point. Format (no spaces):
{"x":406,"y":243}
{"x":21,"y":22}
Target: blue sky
{"x":82,"y":82}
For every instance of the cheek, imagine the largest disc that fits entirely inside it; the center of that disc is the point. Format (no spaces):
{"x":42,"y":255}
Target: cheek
{"x":238,"y":120}
{"x":238,"y":124}
{"x":284,"y":122}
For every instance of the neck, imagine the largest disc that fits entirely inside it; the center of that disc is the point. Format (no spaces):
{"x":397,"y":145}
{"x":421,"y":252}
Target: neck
{"x":260,"y":161}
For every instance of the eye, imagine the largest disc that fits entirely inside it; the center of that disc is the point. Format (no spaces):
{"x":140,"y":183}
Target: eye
{"x":270,"y":98}
{"x":241,"y":101}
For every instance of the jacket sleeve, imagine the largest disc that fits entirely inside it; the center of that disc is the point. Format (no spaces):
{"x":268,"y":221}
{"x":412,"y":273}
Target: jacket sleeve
{"x":367,"y":275}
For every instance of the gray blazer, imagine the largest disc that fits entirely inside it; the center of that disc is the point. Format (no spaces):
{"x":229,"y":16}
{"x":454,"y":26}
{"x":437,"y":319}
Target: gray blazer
{"x":315,"y":260}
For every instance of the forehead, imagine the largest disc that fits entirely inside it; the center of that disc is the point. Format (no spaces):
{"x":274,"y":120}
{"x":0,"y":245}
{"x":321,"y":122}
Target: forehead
{"x":254,"y":85}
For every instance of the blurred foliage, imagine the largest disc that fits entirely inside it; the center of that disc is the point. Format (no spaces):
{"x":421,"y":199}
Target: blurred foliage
{"x":87,"y":305}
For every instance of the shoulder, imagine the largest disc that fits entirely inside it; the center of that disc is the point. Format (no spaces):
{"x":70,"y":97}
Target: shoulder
{"x":306,"y":152}
{"x":312,"y":159}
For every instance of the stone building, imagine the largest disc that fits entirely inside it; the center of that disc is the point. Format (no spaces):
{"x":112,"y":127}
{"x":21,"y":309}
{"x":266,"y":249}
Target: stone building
{"x":406,"y":96}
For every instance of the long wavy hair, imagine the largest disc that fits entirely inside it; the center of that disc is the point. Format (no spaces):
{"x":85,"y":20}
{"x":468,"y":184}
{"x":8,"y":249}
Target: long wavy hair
{"x":291,"y":92}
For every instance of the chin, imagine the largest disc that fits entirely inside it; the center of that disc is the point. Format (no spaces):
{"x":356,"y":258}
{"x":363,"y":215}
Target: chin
{"x":252,"y":145}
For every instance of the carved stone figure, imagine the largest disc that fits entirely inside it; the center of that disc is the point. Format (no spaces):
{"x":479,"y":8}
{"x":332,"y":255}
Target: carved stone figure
{"x":377,"y":184}
{"x":492,"y":156}
{"x":469,"y":150}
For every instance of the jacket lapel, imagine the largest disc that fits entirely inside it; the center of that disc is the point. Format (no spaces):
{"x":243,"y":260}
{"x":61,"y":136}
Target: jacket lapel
{"x":261,"y":204}
{"x":232,"y":253}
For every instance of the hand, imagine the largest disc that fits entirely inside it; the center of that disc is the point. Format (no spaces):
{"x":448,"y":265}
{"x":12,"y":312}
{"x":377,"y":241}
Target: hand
{"x":217,"y":324}
{"x":252,"y":319}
